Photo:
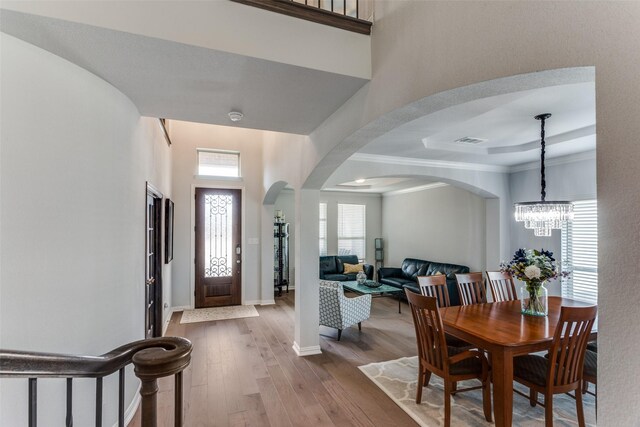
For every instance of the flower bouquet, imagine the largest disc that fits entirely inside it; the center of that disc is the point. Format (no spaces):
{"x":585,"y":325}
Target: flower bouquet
{"x":534,"y":268}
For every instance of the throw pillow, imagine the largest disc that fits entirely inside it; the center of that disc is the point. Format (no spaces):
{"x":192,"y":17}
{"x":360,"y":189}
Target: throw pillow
{"x":437,"y":273}
{"x":353,"y":268}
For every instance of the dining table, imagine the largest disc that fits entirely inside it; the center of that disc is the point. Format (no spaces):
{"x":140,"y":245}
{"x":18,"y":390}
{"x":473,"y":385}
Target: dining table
{"x":500,"y":329}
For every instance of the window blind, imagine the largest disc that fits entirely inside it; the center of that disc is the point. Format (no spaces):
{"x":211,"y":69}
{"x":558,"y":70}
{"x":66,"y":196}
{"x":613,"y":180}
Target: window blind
{"x":580,"y":253}
{"x":218,"y":163}
{"x":351,"y":230}
{"x":323,"y":229}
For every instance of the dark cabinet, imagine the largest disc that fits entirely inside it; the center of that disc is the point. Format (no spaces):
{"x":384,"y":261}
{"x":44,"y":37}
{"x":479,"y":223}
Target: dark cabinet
{"x":281,"y":256}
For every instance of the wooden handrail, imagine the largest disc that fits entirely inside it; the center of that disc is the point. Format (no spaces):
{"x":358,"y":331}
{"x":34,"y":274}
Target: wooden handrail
{"x":153,"y":358}
{"x":302,"y":10}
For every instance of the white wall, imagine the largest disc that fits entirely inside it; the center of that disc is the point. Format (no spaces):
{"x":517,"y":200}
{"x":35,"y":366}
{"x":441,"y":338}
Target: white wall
{"x":75,"y":158}
{"x":423,"y":49}
{"x":568,"y":178}
{"x":214,"y":25}
{"x":373,"y":216}
{"x":443,"y":224}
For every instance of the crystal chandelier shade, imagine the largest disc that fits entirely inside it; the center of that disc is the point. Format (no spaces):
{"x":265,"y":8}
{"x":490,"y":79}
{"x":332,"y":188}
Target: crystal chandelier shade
{"x":543,"y":216}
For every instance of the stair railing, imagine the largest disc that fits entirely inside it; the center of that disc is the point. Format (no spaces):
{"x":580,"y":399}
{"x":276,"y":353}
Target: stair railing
{"x":152,"y":359}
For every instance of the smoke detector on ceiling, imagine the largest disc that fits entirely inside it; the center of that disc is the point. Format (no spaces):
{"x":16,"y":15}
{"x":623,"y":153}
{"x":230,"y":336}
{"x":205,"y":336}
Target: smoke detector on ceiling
{"x":235,"y":116}
{"x":470,"y":140}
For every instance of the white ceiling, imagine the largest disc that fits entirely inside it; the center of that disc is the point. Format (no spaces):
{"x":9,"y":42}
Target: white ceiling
{"x":505,"y":122}
{"x":510,"y":136}
{"x":383,"y":185}
{"x":184,"y":82}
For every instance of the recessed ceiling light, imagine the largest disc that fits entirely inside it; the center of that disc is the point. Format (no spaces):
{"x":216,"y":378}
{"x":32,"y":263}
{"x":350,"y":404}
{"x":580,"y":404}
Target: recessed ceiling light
{"x":360,"y":181}
{"x":235,"y":116}
{"x":470,"y":140}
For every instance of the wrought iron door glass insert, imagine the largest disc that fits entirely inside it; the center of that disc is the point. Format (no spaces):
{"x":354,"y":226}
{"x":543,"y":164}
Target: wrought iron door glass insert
{"x":218,"y":235}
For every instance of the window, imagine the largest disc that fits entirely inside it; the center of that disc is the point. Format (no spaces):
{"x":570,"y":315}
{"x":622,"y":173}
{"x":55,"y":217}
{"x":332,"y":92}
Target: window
{"x":351,"y":230}
{"x":580,"y":253}
{"x":218,"y":163}
{"x":323,"y":229}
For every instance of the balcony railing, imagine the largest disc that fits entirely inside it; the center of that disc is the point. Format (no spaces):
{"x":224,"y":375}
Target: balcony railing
{"x":152,"y":359}
{"x":351,"y":15}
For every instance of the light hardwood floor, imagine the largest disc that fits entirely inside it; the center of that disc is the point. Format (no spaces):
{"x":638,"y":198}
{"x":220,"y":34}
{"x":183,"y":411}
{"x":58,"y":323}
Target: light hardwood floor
{"x":244,"y":372}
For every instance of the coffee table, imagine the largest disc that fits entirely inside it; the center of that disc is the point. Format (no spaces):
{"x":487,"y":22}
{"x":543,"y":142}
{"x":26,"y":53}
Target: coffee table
{"x":380,"y":291}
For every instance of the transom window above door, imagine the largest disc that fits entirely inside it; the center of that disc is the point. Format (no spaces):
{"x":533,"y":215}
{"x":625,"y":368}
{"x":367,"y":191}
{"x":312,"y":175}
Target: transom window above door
{"x":219,"y":163}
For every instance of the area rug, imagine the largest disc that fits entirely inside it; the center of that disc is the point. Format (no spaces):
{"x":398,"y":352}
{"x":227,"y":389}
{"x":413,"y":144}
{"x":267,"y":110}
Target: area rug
{"x":218,"y":313}
{"x":398,"y":379}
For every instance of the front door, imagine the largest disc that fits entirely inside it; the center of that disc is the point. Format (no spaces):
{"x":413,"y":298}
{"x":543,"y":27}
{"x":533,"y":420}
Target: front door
{"x":218,"y":251}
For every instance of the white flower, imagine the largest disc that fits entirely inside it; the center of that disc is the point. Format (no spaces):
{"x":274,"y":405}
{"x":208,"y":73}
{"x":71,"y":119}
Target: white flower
{"x":532,"y":272}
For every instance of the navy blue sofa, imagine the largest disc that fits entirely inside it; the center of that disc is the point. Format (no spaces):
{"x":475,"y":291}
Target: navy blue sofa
{"x":332,"y":268}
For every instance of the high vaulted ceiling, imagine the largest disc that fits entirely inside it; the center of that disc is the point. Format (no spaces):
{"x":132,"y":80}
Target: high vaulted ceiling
{"x":186,"y":82}
{"x":196,"y":82}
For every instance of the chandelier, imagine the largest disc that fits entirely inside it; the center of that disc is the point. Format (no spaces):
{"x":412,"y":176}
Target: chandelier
{"x":543,"y":216}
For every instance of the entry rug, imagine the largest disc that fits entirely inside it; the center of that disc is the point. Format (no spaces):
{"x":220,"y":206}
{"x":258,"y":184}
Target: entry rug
{"x":398,"y":379}
{"x":218,"y":313}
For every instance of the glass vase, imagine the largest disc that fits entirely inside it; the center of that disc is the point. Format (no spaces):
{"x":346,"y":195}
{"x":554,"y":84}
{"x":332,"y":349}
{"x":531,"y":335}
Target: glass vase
{"x":361,"y":278}
{"x":534,"y":299}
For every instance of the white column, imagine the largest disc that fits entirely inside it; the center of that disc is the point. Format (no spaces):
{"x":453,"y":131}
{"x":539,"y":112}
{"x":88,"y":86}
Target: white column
{"x":307,"y":330}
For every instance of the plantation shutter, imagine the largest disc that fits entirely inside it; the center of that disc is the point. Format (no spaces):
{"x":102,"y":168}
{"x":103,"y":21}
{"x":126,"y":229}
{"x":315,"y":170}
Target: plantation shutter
{"x":580,"y":253}
{"x":323,"y":229}
{"x":351,"y":230}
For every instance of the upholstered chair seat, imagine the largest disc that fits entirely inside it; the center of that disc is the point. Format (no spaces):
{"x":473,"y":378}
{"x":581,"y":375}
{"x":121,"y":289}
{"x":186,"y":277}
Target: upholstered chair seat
{"x":338,"y":311}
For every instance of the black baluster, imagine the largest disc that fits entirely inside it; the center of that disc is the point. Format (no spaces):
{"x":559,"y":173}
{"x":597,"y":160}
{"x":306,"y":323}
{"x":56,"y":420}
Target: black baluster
{"x":33,"y":402}
{"x":99,"y":402}
{"x":69,"y":419}
{"x":178,"y":400}
{"x":121,"y":398}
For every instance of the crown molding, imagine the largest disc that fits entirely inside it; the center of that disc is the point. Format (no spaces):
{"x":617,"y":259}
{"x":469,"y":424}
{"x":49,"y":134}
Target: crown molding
{"x":571,"y":158}
{"x":405,"y":161}
{"x":416,"y":189}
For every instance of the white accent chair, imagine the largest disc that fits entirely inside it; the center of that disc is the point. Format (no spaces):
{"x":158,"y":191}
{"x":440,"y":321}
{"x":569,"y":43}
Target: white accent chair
{"x":338,"y":311}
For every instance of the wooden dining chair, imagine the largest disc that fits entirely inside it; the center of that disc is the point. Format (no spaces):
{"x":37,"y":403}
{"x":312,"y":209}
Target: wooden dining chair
{"x":562,"y":370}
{"x":471,"y":288}
{"x":436,"y":286}
{"x":449,"y":363}
{"x":590,"y":372}
{"x":502,"y":286}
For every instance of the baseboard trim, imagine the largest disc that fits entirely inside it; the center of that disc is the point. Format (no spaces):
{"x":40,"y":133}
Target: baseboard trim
{"x":168,"y":319}
{"x":133,"y":407}
{"x":260,"y":302}
{"x":306,"y":351}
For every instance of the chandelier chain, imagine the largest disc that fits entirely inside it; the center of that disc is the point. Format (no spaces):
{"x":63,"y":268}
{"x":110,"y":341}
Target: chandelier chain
{"x":543,"y":183}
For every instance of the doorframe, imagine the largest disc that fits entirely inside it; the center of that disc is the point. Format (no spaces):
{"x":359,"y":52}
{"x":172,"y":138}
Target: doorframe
{"x":159,"y":321}
{"x":243,"y":238}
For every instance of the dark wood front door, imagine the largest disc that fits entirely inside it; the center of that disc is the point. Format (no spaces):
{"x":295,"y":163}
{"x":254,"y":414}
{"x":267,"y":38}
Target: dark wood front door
{"x":218,"y":251}
{"x":153,"y":265}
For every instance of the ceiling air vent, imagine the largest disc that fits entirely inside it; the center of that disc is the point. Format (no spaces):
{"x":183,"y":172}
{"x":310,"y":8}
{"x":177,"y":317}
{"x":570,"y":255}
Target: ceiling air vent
{"x":469,"y":140}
